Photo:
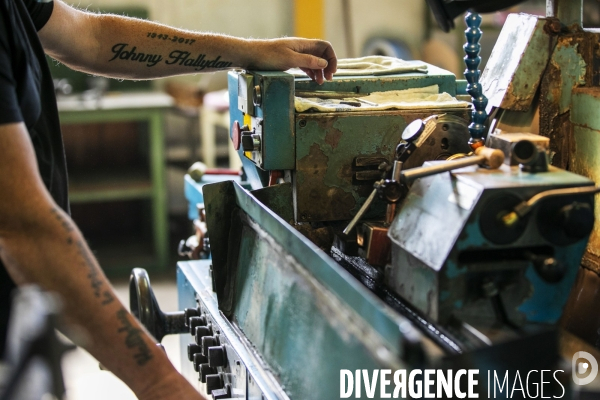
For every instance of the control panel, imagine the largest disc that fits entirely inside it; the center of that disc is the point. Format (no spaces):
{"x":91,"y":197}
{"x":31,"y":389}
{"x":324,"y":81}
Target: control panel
{"x":214,"y":352}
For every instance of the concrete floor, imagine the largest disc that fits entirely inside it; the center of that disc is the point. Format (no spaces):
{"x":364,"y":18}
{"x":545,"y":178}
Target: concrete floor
{"x":85,"y":381}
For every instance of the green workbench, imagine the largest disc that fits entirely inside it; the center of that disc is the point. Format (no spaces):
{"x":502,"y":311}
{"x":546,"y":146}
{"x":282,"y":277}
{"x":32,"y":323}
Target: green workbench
{"x":146,"y":107}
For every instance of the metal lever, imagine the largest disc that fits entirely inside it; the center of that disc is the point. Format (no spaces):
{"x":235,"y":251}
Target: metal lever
{"x":144,"y":307}
{"x":362,"y":211}
{"x":493,"y":158}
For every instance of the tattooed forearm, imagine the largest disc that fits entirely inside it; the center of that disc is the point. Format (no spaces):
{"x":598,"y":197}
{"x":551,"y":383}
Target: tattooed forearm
{"x":67,"y":226}
{"x":179,"y":57}
{"x":133,"y":338}
{"x":174,"y":38}
{"x":86,"y":261}
{"x":94,"y":275}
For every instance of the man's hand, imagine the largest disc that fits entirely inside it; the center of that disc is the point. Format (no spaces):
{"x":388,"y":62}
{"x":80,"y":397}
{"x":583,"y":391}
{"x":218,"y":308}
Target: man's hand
{"x":315,"y":57}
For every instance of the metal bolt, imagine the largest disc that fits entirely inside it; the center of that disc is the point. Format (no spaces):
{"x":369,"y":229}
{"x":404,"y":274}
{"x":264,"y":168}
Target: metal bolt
{"x":445,"y":144}
{"x":302,"y":123}
{"x":257,"y":96}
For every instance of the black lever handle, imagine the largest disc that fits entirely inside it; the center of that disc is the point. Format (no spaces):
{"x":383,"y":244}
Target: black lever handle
{"x":145,"y":308}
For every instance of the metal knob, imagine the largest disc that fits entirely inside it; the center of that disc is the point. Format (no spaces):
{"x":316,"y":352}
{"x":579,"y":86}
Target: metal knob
{"x":198,"y":360}
{"x":251,"y":142}
{"x":193,"y":349}
{"x":202,"y":331}
{"x":195,"y":322}
{"x":205,"y":370}
{"x":214,"y":382}
{"x":209,"y":341}
{"x":577,"y":220}
{"x":549,"y":268}
{"x":189,"y":313}
{"x":217,"y":356}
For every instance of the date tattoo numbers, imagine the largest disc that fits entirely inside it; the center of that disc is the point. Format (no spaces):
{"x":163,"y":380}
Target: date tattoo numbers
{"x":174,"y":39}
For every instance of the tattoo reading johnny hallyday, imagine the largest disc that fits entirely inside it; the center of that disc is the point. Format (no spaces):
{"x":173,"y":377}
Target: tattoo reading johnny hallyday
{"x":180,"y":57}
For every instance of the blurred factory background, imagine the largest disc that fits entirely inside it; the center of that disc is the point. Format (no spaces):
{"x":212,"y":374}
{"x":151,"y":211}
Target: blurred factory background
{"x":128,"y":152}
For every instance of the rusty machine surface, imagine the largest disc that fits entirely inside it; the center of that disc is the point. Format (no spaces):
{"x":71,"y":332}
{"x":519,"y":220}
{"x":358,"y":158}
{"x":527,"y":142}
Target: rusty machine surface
{"x":441,"y":235}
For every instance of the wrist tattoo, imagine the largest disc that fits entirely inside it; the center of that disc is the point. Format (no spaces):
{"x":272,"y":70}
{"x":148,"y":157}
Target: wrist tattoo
{"x":174,"y":38}
{"x":179,"y":57}
{"x":133,"y":338}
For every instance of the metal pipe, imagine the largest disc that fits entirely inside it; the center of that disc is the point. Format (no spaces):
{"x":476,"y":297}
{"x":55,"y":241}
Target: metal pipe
{"x":324,"y":94}
{"x":525,"y":207}
{"x":360,"y":212}
{"x":391,"y":208}
{"x":397,"y":171}
{"x":421,"y":172}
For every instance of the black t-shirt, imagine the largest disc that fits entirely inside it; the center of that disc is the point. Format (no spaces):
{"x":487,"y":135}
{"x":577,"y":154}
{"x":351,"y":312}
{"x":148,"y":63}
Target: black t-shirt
{"x":27,"y":95}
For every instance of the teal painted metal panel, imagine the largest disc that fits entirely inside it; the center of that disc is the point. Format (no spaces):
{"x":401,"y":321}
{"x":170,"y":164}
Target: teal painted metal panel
{"x":585,"y":151}
{"x":274,"y":116}
{"x":436,"y":265}
{"x":223,"y":198}
{"x":277,"y":112}
{"x":586,"y":106}
{"x":297,"y":306}
{"x":287,"y":319}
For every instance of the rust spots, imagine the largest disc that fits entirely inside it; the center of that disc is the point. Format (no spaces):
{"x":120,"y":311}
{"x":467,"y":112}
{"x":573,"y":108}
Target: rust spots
{"x":552,"y":26}
{"x":318,"y":201}
{"x":553,"y":124}
{"x":590,"y":260}
{"x":333,"y":137}
{"x":516,"y":102}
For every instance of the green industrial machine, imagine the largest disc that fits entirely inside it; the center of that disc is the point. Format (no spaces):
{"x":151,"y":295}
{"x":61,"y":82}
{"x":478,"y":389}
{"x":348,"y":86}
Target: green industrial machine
{"x":438,"y":235}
